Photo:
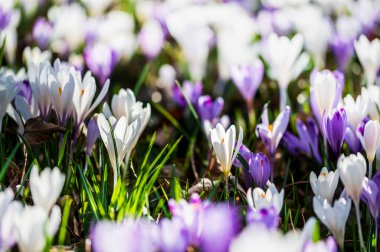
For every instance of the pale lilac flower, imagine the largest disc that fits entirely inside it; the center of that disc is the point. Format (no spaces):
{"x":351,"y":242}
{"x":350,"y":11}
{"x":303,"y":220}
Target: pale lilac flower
{"x":5,"y":17}
{"x":271,"y":134}
{"x":42,"y":32}
{"x":343,"y":49}
{"x":208,"y":109}
{"x":174,"y":236}
{"x":267,"y":216}
{"x":307,"y":141}
{"x":92,"y":135}
{"x":329,"y":245}
{"x":353,"y":142}
{"x":248,"y":78}
{"x":371,"y":196}
{"x":151,"y":38}
{"x":192,"y":91}
{"x":101,"y":59}
{"x":335,"y":127}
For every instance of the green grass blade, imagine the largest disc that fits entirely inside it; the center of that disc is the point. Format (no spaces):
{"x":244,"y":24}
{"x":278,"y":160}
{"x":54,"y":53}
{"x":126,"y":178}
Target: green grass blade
{"x":8,"y":162}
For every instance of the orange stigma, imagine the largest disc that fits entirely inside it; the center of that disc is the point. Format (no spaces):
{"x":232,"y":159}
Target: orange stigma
{"x":270,"y":127}
{"x":60,"y":91}
{"x":82,"y":91}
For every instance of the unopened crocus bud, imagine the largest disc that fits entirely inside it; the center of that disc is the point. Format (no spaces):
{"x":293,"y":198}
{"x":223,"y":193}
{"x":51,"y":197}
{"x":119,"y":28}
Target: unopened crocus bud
{"x":335,"y":127}
{"x":370,"y":138}
{"x":42,"y":32}
{"x":259,"y":168}
{"x":92,"y":135}
{"x":208,"y":109}
{"x":369,"y":55}
{"x":248,"y":79}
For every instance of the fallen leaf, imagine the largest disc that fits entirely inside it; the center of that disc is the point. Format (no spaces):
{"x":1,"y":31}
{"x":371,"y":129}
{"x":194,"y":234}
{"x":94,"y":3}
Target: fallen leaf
{"x":38,"y":131}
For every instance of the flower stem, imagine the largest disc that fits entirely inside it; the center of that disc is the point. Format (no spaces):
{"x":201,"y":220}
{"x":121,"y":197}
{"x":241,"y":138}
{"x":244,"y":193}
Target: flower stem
{"x":359,"y":226}
{"x":376,"y":232}
{"x":282,"y":98}
{"x":226,"y":184}
{"x":370,"y":162}
{"x":251,"y":113}
{"x":271,"y":168}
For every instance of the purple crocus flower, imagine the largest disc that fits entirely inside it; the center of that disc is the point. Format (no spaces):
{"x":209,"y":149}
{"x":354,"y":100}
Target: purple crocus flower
{"x":92,"y":135}
{"x":267,"y":216}
{"x":329,"y":245}
{"x":173,"y":235}
{"x":42,"y":32}
{"x":190,"y":90}
{"x":335,"y":127}
{"x":259,"y":169}
{"x":101,"y":60}
{"x":25,"y":90}
{"x":245,"y":153}
{"x":307,"y":142}
{"x":343,"y":50}
{"x":5,"y":17}
{"x":208,"y":109}
{"x":371,"y":196}
{"x":248,"y":79}
{"x":271,"y":134}
{"x":352,"y":140}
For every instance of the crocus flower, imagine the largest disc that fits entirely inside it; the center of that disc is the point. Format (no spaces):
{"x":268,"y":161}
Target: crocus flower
{"x":333,"y":217}
{"x":92,"y":135}
{"x":173,"y":235}
{"x":8,"y":91}
{"x":190,"y":90}
{"x":343,"y":49}
{"x":369,"y":56}
{"x":84,"y":93}
{"x":101,"y":59}
{"x":34,"y":226}
{"x":335,"y":127}
{"x":271,"y":134}
{"x":307,"y":141}
{"x":267,"y":216}
{"x":246,"y":155}
{"x":6,"y":198}
{"x":208,"y":109}
{"x":356,"y":110}
{"x":8,"y":234}
{"x":42,"y":32}
{"x":259,"y":169}
{"x":325,"y":185}
{"x":124,"y":136}
{"x":151,"y":38}
{"x":325,"y":93}
{"x":353,"y":142}
{"x":46,"y":187}
{"x":35,"y":55}
{"x":260,"y":238}
{"x":61,"y":80}
{"x":225,"y":147}
{"x":5,"y":15}
{"x":352,"y":171}
{"x":321,"y":246}
{"x":371,"y":196}
{"x":258,"y":198}
{"x":248,"y":78}
{"x":370,"y":140}
{"x":285,"y":60}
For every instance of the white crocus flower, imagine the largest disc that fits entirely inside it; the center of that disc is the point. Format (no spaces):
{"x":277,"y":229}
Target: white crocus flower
{"x":83,"y":97}
{"x":38,"y":79}
{"x":370,"y":141}
{"x":356,"y":110}
{"x":8,"y":235}
{"x":35,"y":56}
{"x":374,"y":101}
{"x":225,"y":146}
{"x":62,"y":84}
{"x":260,"y":238}
{"x":325,"y":185}
{"x":8,"y":91}
{"x":46,"y":186}
{"x":323,"y":92}
{"x":258,"y":198}
{"x":285,"y":61}
{"x":124,"y":136}
{"x":97,"y":7}
{"x":333,"y":217}
{"x":34,"y":226}
{"x":352,"y":171}
{"x":124,"y":104}
{"x":6,"y":198}
{"x":369,"y":56}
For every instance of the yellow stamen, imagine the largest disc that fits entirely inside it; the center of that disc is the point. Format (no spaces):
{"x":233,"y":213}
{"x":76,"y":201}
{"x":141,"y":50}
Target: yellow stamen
{"x":270,"y":127}
{"x":60,"y":91}
{"x":263,"y":195}
{"x":82,"y":91}
{"x":223,"y":140}
{"x":324,"y":174}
